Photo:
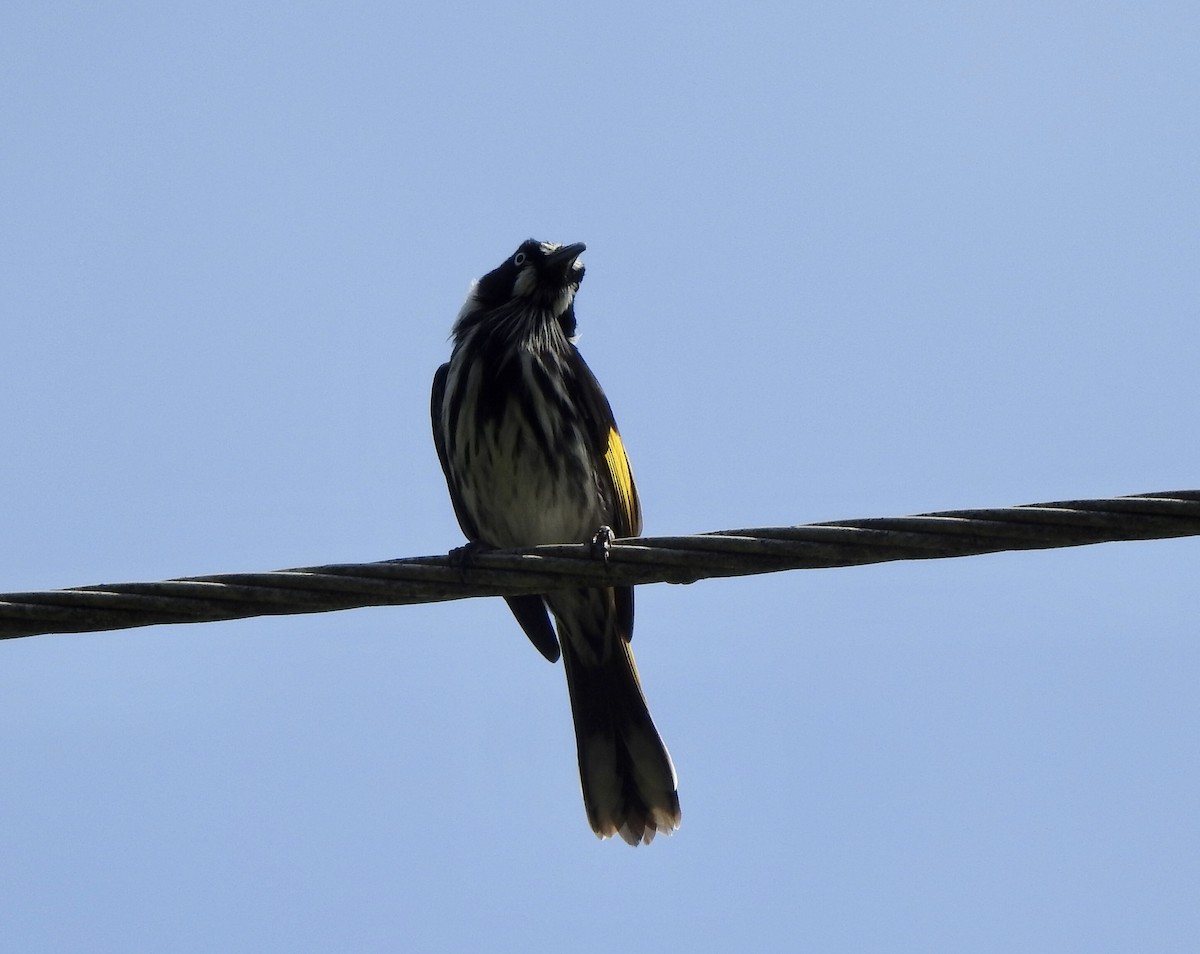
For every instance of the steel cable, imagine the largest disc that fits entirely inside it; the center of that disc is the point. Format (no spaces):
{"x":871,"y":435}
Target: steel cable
{"x":641,"y":560}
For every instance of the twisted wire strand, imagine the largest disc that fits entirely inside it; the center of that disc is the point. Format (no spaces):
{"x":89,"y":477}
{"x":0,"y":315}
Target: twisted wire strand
{"x":724,"y":553}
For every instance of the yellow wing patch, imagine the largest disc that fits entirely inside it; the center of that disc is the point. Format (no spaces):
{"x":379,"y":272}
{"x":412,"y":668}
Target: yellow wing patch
{"x":629,"y":510}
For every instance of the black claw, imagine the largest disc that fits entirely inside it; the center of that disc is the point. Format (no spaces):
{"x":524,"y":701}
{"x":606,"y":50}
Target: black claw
{"x":463,"y":557}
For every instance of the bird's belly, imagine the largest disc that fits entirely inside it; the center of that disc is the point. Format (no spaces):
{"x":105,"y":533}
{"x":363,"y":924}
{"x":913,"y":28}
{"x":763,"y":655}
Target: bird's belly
{"x":523,"y":498}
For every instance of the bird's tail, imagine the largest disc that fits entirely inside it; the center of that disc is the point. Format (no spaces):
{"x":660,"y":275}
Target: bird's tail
{"x":629,"y":784}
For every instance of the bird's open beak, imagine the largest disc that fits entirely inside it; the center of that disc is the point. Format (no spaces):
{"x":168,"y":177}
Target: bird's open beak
{"x":564,"y":257}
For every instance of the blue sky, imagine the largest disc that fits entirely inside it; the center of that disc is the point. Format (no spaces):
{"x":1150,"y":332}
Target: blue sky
{"x":844,"y":260}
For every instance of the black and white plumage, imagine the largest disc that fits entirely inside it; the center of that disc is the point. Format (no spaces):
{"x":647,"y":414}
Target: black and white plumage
{"x":532,"y":455}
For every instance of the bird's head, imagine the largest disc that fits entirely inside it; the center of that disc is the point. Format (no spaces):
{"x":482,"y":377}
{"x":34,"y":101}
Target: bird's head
{"x":537,"y":282}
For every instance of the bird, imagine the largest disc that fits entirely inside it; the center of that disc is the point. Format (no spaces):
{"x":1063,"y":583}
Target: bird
{"x":532,"y":455}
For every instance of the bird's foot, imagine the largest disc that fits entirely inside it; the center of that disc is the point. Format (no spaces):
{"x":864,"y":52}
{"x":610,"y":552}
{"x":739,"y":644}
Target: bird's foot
{"x":463,"y":558}
{"x":602,"y":542}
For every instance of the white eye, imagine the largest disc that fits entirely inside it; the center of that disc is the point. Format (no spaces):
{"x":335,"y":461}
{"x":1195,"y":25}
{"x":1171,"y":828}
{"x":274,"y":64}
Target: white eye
{"x":519,"y":259}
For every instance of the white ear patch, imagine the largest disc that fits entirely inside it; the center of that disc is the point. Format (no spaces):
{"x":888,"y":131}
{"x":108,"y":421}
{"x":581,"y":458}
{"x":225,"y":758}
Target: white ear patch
{"x":526,"y":282}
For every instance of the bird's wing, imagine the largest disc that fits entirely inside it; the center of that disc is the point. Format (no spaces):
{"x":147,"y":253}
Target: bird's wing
{"x":616,"y":476}
{"x":439,"y":441}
